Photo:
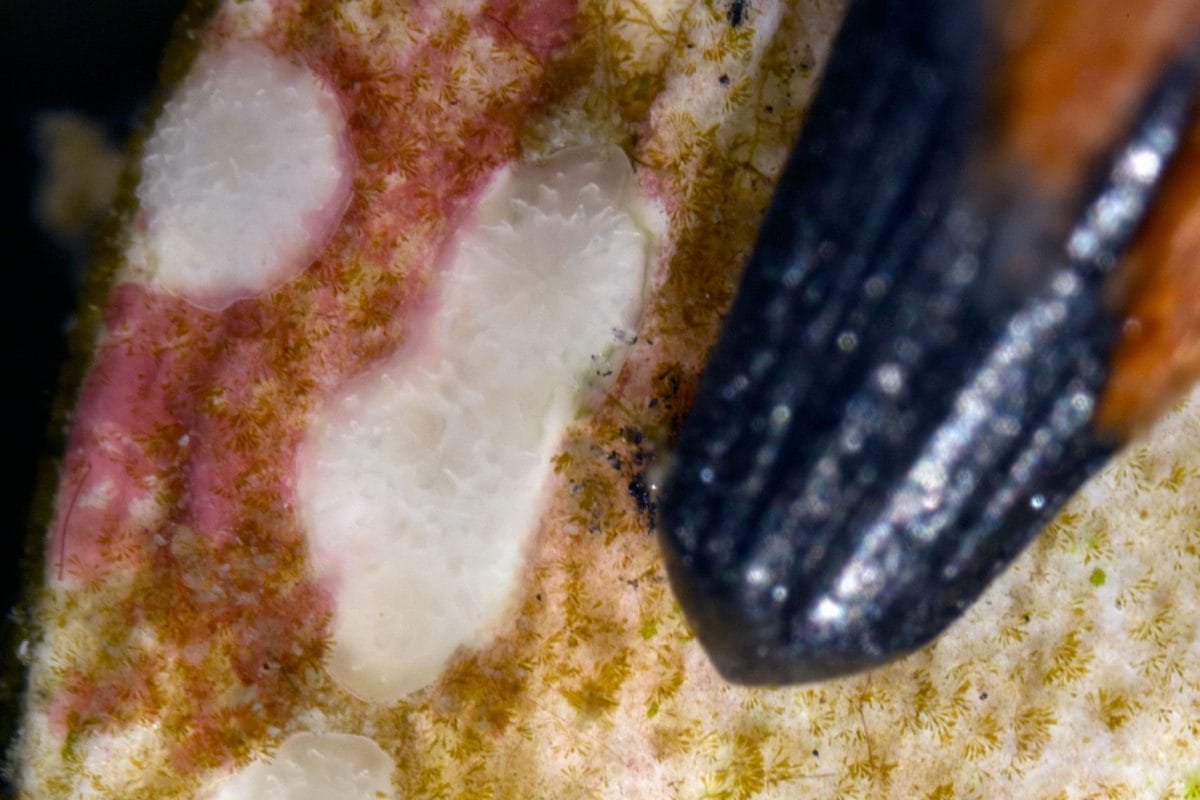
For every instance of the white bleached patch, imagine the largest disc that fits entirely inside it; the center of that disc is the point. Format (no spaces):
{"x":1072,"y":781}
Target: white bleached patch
{"x":310,"y":766}
{"x":243,"y":178}
{"x":419,"y":485}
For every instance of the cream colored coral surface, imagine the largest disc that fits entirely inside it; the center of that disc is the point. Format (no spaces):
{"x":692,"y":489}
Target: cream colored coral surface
{"x":200,"y":648}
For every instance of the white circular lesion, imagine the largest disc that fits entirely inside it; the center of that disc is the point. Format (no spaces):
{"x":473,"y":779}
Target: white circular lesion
{"x":244,"y":177}
{"x":313,"y":766}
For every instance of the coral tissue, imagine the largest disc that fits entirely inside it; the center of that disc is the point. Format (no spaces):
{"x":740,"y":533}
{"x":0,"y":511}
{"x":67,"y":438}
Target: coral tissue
{"x":419,"y":482}
{"x":243,"y":179}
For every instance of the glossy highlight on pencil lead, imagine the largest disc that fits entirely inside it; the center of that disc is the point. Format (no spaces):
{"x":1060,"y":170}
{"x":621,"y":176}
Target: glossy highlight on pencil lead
{"x":905,"y":389}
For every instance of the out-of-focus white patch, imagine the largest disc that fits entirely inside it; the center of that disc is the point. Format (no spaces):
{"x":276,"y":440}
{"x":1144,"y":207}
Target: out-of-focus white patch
{"x":419,"y":484}
{"x":112,"y":756}
{"x":310,"y":766}
{"x":100,"y":495}
{"x":243,"y":179}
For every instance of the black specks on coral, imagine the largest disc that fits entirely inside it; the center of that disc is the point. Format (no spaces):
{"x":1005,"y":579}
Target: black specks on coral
{"x":737,"y":12}
{"x":642,"y":494}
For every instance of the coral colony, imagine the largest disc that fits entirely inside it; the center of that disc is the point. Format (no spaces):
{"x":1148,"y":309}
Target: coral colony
{"x":407,"y":304}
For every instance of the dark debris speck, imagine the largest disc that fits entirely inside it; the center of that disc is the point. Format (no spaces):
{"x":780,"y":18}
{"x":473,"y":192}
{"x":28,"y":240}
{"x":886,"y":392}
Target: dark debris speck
{"x":737,"y":12}
{"x":640,"y":493}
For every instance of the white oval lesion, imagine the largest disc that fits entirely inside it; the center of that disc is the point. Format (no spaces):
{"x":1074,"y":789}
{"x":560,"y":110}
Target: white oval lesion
{"x":313,"y":766}
{"x":419,"y":485}
{"x":244,"y":177}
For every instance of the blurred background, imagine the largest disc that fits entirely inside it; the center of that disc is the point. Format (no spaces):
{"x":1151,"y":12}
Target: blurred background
{"x":75,"y":76}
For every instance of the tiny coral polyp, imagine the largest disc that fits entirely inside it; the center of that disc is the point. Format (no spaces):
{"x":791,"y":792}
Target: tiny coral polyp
{"x":419,"y":484}
{"x":244,"y":177}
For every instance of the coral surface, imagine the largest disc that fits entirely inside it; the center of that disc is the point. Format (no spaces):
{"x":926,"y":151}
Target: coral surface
{"x":183,"y":634}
